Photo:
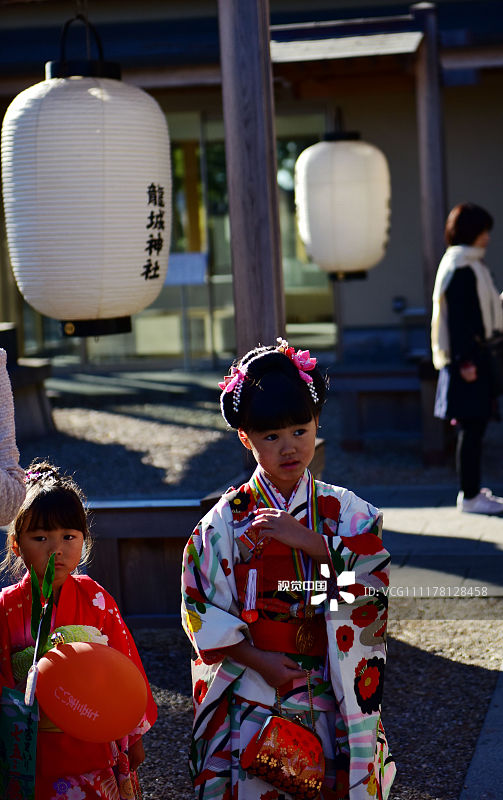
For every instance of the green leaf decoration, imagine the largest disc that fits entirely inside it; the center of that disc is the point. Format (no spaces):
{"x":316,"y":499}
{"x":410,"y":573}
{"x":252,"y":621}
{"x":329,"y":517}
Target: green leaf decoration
{"x":36,"y":605}
{"x":49,"y":577}
{"x":45,"y":627}
{"x":42,"y":616}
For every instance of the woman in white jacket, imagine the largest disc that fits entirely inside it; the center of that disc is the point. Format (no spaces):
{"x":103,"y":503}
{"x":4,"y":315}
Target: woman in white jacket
{"x":466,"y":311}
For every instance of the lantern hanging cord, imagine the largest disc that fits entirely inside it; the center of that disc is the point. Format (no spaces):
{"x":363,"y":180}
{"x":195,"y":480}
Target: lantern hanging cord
{"x":89,"y":29}
{"x":82,"y":12}
{"x":81,"y":8}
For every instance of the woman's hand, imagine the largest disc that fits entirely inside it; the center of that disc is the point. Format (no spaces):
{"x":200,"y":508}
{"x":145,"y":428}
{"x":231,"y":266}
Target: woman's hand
{"x":468,"y":371}
{"x":136,"y":755}
{"x":286,"y":529}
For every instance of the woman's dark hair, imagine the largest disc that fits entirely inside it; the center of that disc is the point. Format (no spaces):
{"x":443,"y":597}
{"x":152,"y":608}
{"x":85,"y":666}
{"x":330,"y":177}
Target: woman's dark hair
{"x":273,"y":393}
{"x":53,"y":500}
{"x":465,"y":223}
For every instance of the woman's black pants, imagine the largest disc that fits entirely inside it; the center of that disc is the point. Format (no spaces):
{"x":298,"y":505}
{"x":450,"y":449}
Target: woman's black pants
{"x":469,"y":454}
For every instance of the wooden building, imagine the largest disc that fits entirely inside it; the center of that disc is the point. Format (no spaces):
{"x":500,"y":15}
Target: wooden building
{"x":172,"y":50}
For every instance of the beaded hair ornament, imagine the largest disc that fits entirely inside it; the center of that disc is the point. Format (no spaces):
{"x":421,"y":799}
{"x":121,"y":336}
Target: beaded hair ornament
{"x":302,"y":360}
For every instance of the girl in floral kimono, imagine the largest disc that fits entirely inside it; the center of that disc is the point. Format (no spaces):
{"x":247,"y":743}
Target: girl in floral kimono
{"x":268,"y":603}
{"x":51,"y":520}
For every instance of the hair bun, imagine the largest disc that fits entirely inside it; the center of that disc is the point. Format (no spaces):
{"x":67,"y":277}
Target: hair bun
{"x":291,"y":380}
{"x":42,"y":471}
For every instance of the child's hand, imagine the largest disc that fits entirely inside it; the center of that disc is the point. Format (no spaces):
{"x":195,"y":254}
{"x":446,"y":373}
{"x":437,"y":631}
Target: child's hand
{"x":136,"y":754}
{"x":281,"y":526}
{"x":286,"y":529}
{"x":277,"y":669}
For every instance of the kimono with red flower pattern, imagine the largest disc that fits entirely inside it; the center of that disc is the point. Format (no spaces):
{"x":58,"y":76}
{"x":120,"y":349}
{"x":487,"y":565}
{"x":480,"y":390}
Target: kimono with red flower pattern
{"x":231,"y":701}
{"x":68,"y":768}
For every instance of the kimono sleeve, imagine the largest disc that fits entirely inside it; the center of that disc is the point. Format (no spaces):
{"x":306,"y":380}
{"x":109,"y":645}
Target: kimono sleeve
{"x":353,"y":540}
{"x":209,"y":598}
{"x":356,"y":616}
{"x":6,"y":677}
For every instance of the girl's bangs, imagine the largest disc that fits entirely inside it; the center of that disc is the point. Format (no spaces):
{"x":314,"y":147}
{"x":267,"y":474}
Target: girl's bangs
{"x":46,"y":514}
{"x":272,"y":410}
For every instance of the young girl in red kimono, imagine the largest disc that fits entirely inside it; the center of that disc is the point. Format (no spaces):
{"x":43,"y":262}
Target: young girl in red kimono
{"x":51,"y":520}
{"x":257,"y":611}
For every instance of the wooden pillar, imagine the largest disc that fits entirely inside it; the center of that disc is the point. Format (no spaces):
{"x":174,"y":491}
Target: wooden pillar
{"x":250,"y":146}
{"x":431,"y":147}
{"x":433,"y":208}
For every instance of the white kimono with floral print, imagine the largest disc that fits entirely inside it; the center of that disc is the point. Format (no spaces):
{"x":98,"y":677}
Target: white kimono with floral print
{"x":351,"y":529}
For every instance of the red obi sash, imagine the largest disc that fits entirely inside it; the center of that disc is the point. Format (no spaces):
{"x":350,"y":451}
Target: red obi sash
{"x":274,"y":565}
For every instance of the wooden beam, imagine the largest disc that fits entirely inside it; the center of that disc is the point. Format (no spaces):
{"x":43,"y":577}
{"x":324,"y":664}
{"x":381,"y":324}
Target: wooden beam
{"x":250,"y":146}
{"x":325,"y":89}
{"x":481,"y":57}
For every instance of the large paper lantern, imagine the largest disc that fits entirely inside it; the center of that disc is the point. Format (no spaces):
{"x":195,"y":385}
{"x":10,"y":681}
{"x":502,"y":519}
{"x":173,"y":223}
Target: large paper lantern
{"x":91,"y":691}
{"x":87,"y":194}
{"x":342,"y":194}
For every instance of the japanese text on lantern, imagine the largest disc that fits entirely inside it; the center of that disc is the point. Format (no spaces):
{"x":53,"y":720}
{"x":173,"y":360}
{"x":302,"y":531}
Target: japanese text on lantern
{"x":155,"y":226}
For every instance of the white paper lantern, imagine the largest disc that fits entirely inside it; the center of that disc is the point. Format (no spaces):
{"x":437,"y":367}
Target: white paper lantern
{"x":342,"y":194}
{"x":87,"y":194}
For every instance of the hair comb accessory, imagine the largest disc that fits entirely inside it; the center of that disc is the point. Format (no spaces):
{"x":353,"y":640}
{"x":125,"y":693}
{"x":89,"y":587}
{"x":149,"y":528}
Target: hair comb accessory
{"x":304,"y":363}
{"x":233,"y":383}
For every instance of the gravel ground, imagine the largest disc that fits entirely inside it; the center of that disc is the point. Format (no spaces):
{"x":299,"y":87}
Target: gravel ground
{"x":441,"y":670}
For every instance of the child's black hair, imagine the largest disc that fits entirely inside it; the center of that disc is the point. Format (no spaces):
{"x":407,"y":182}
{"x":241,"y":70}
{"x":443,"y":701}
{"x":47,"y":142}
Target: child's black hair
{"x":273,"y":393}
{"x":53,"y":500}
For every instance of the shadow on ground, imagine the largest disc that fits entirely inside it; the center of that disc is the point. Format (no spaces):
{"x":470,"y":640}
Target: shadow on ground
{"x":427,"y":696}
{"x":112,"y":470}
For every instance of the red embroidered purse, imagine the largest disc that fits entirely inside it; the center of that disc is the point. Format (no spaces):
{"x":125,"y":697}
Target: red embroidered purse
{"x":287,"y":754}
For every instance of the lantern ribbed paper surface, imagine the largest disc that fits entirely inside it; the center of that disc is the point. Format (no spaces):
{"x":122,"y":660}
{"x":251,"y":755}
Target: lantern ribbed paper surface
{"x":342,"y":194}
{"x":87,"y":194}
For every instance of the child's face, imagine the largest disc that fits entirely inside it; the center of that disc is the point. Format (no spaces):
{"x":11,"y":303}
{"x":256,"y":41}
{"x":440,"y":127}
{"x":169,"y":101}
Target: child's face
{"x":35,"y":548}
{"x":283,"y":453}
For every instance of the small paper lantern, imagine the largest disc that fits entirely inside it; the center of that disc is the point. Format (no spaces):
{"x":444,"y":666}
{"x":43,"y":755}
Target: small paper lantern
{"x":91,"y":691}
{"x":87,"y":194}
{"x":342,"y":194}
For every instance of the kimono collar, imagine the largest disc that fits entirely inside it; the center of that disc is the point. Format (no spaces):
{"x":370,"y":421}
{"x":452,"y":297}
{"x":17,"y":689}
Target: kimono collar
{"x":272,"y":497}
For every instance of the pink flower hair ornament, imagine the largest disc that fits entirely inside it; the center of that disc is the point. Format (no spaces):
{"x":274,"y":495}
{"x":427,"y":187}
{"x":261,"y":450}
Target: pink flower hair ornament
{"x":32,"y":476}
{"x":233,"y":383}
{"x":230,"y":381}
{"x":302,"y":360}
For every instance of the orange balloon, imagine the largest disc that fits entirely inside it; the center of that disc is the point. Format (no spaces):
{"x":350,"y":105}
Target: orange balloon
{"x":91,"y":691}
